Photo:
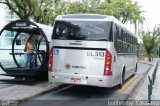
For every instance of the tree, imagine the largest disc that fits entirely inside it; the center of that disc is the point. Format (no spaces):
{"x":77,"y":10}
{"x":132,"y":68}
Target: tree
{"x":150,"y":40}
{"x":137,"y":19}
{"x":86,"y":6}
{"x":45,"y":11}
{"x":22,"y":8}
{"x":109,"y":1}
{"x":60,"y":8}
{"x":123,"y":10}
{"x":41,"y":11}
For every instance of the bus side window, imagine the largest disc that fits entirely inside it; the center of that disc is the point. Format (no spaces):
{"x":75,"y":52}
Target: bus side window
{"x":119,"y":35}
{"x":122,"y":32}
{"x":119,"y":41}
{"x":116,"y":35}
{"x":114,"y":32}
{"x":132,"y":44}
{"x":123,"y":40}
{"x":128,"y":43}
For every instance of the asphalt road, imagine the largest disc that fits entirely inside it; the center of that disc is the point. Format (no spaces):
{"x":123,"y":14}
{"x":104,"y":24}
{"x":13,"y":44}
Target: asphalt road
{"x":88,"y":96}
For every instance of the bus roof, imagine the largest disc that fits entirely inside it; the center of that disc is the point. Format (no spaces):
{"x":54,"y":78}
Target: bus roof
{"x":93,"y":17}
{"x":85,"y":17}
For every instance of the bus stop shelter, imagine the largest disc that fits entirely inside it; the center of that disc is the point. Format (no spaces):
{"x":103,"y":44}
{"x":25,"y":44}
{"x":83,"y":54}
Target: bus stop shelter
{"x":13,"y":38}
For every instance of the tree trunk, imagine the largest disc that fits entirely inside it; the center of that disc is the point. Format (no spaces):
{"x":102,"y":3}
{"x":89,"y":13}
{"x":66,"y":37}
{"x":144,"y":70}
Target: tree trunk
{"x":149,"y":57}
{"x":109,"y":1}
{"x":135,"y":27}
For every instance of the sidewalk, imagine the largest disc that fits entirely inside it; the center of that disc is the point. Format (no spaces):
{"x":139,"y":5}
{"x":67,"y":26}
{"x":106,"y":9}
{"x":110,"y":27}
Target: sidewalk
{"x":141,"y":92}
{"x":4,"y":77}
{"x":20,"y":92}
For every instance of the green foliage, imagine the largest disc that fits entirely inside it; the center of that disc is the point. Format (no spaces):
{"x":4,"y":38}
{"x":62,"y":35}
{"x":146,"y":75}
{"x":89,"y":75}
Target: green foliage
{"x":150,"y":40}
{"x":45,"y":11}
{"x":59,"y":9}
{"x":41,"y":11}
{"x":123,"y":10}
{"x":22,"y":8}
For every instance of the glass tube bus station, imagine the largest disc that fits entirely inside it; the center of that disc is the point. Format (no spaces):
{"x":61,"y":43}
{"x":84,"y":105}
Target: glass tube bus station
{"x":12,"y":55}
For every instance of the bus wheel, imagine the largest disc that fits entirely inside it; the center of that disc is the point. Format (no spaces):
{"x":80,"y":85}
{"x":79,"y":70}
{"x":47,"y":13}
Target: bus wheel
{"x":135,"y":70}
{"x":136,"y":67}
{"x":122,"y":80}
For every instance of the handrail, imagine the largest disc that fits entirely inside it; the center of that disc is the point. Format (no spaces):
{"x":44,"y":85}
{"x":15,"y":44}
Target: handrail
{"x":11,"y":49}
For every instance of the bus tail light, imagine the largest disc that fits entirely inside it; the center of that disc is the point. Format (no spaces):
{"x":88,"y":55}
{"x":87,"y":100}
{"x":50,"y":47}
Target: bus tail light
{"x":108,"y":64}
{"x":50,"y":60}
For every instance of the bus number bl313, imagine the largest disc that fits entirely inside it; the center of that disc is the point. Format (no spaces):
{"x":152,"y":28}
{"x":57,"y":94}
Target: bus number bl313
{"x":95,"y":54}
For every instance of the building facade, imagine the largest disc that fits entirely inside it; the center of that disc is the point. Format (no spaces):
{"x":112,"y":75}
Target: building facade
{"x":6,"y":17}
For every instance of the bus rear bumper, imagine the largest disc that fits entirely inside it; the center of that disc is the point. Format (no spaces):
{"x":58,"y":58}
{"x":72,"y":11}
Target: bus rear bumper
{"x":100,"y":81}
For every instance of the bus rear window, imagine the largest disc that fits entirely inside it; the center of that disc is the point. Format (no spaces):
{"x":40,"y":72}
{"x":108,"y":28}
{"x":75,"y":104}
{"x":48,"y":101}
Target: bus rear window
{"x":82,"y":30}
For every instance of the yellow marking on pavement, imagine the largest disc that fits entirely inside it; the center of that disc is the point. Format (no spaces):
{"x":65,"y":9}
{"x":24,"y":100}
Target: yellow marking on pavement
{"x":127,"y":84}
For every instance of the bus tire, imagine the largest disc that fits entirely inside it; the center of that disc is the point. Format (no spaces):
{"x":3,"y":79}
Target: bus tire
{"x":122,"y":80}
{"x":135,"y":70}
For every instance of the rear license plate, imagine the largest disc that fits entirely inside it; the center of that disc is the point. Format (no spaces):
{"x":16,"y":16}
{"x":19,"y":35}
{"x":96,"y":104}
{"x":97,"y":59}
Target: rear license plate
{"x":76,"y":81}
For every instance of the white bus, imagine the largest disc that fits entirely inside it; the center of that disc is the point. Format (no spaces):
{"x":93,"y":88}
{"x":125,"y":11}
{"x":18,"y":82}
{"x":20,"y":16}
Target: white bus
{"x":91,"y":49}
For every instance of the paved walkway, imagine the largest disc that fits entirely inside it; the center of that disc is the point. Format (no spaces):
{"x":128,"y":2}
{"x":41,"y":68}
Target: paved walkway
{"x":156,"y":87}
{"x":22,"y":91}
{"x":141,"y":92}
{"x":4,"y":77}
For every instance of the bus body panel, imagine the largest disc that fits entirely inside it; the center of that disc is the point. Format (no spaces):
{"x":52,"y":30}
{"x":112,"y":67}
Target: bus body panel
{"x":127,"y":61}
{"x":85,"y":64}
{"x":90,"y":69}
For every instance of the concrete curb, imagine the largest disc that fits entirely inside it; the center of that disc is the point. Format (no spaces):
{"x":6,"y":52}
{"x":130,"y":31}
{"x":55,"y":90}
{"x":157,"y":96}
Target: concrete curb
{"x":138,"y":83}
{"x":144,"y":62}
{"x":131,"y":96}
